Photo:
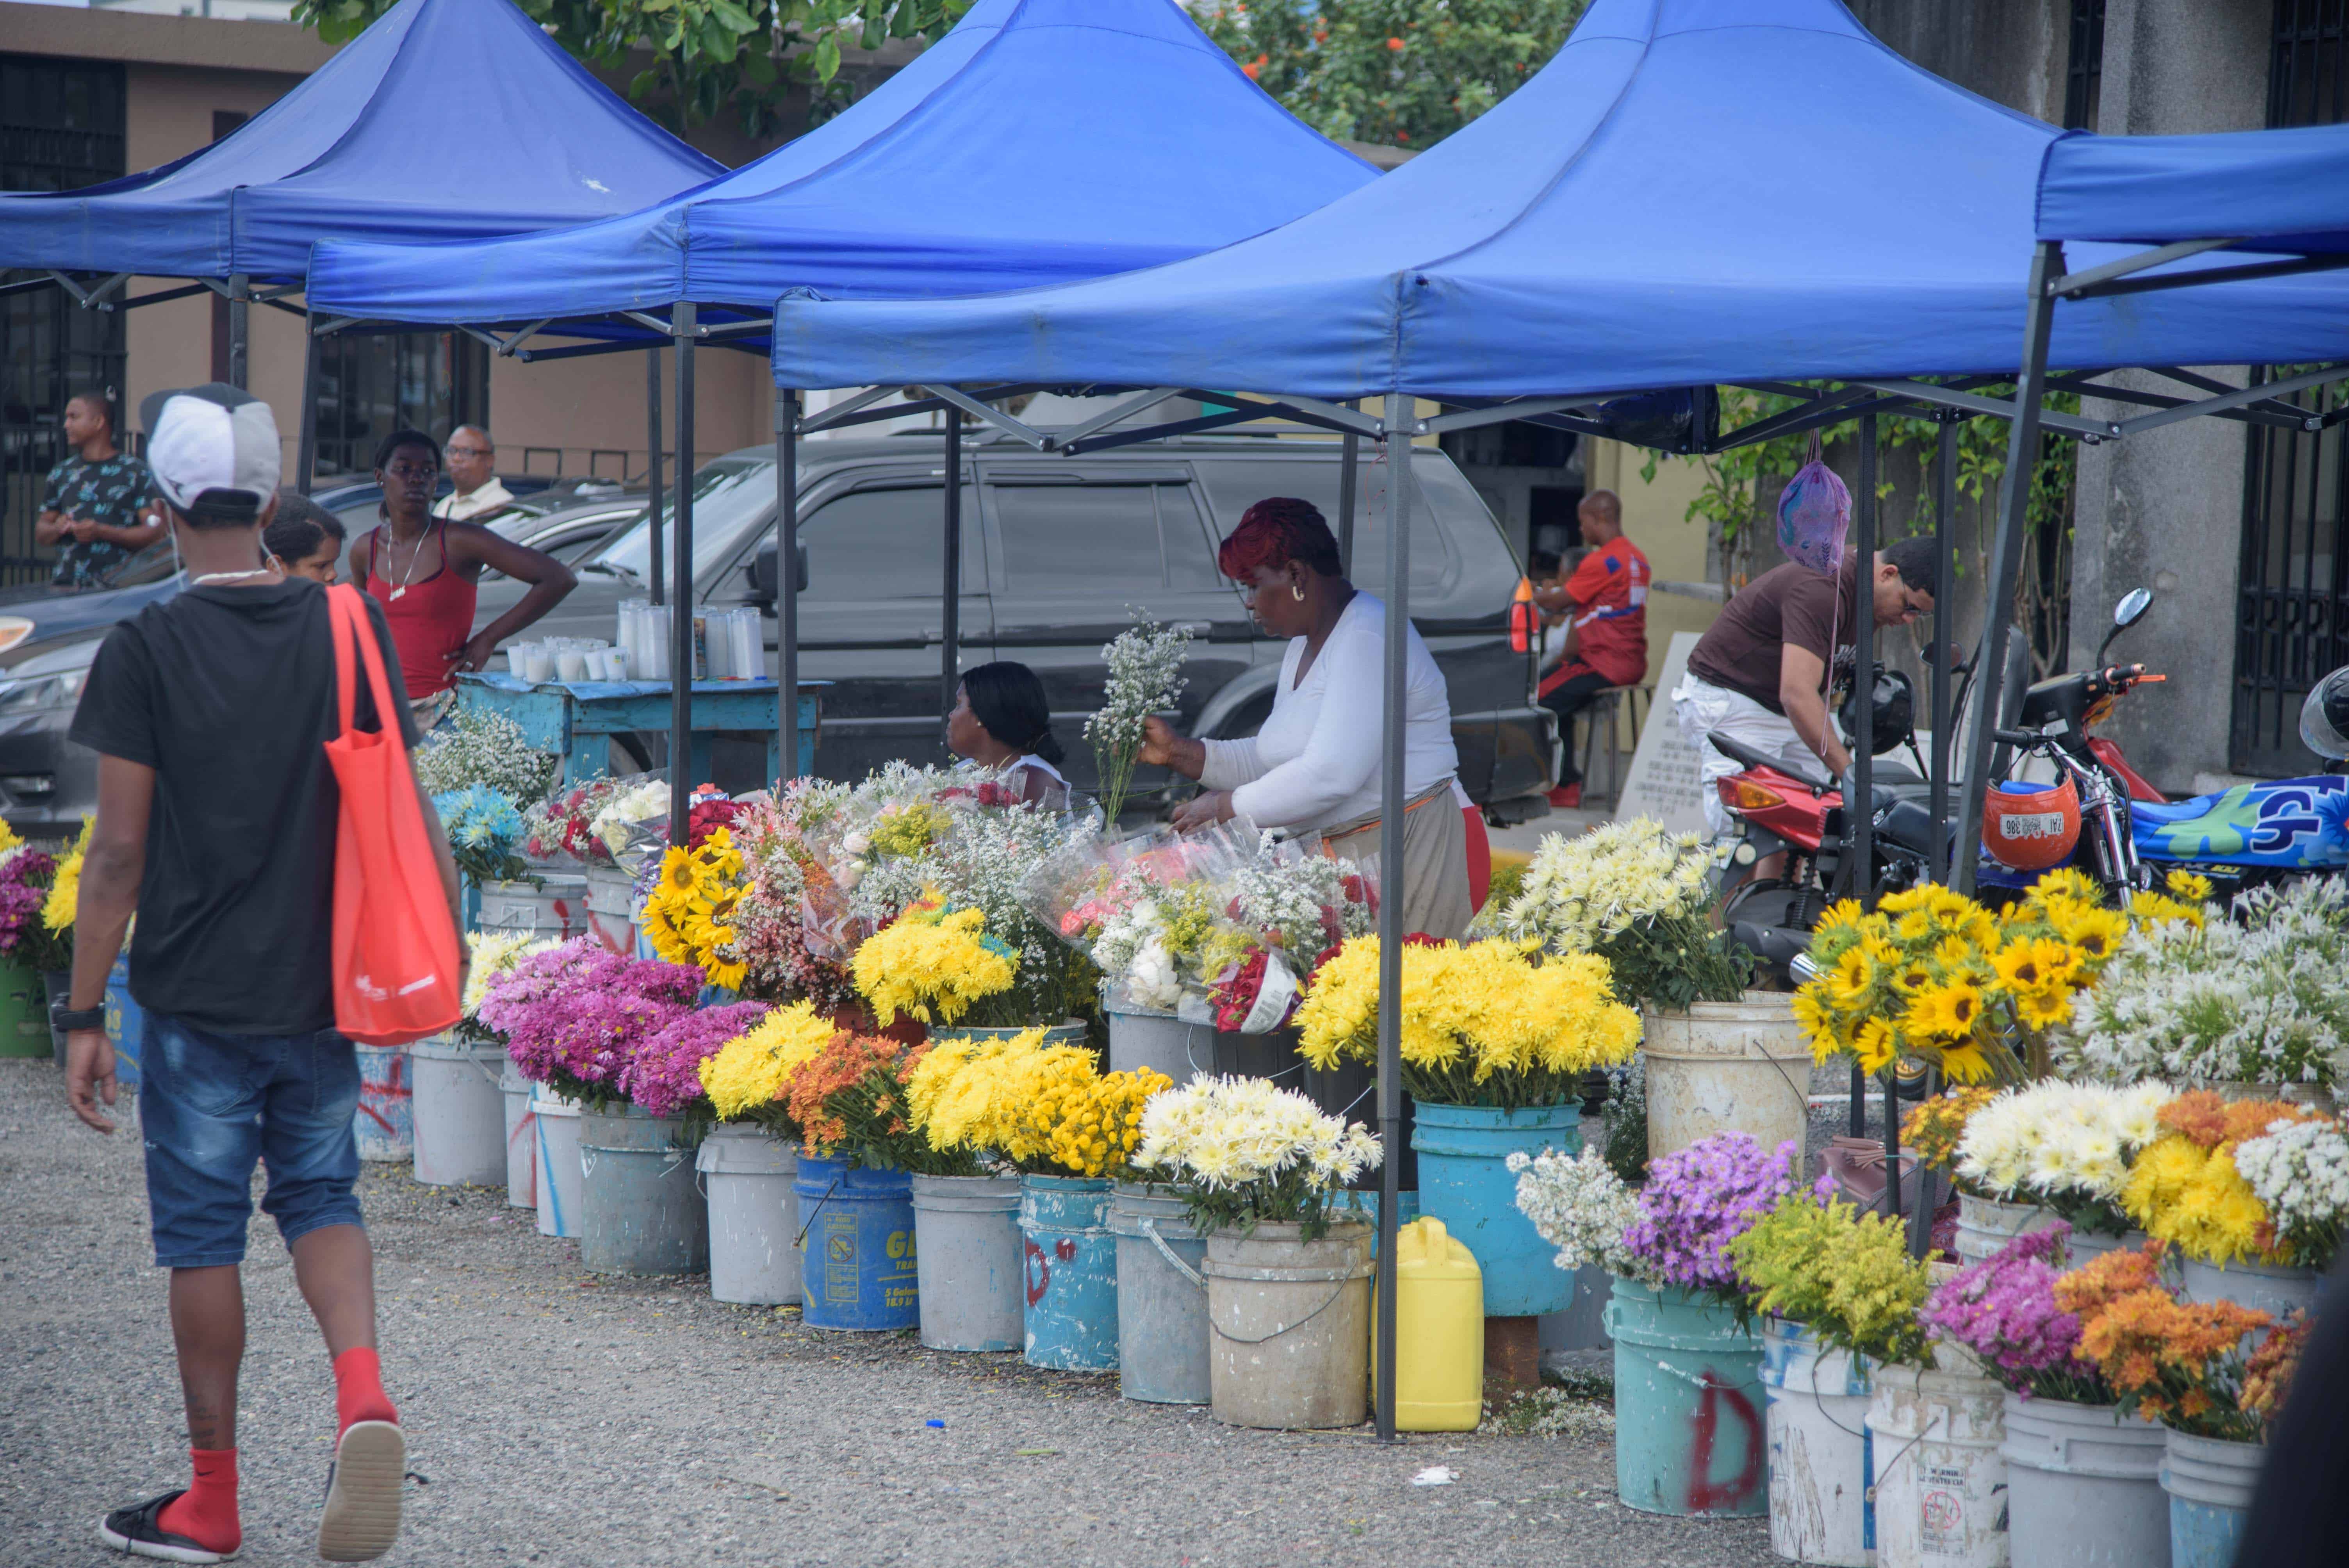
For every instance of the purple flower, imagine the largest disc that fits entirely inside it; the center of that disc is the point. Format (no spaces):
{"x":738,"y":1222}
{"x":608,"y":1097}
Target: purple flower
{"x":665,"y":1072}
{"x":2003,"y":1310}
{"x":586,"y":1011}
{"x":1704,"y":1197}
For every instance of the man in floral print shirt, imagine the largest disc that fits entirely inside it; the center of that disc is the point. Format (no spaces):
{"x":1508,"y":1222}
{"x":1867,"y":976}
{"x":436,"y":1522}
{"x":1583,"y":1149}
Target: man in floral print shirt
{"x":100,"y":506}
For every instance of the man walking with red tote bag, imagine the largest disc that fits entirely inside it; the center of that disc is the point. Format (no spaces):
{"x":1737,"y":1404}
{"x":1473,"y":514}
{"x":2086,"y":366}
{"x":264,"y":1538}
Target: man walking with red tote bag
{"x":217,"y":826}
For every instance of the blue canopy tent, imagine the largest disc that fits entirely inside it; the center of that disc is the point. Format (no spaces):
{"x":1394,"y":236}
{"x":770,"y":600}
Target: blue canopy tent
{"x":2209,"y":217}
{"x":1753,"y":192}
{"x":938,"y":182}
{"x":444,"y":118}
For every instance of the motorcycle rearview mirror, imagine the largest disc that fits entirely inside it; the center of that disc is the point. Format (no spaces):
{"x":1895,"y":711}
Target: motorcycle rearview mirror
{"x":2127,"y":613}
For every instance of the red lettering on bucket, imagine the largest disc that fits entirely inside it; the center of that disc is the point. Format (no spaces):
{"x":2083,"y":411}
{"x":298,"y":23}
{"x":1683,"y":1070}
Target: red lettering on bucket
{"x":1705,"y":1494}
{"x":1065,"y":1249}
{"x":1038,"y":1273}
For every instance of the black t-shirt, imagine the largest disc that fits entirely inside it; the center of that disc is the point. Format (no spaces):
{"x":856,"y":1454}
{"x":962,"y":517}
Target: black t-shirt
{"x":229,"y":695}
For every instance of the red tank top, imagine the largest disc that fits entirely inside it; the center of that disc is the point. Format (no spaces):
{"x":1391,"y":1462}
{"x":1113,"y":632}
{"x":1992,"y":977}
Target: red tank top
{"x":431,"y":619}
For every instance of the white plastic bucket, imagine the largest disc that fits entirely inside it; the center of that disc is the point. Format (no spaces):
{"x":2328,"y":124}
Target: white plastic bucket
{"x":1985,"y":1225}
{"x":2262,"y":1287}
{"x":385,"y":1122}
{"x":460,"y":1115}
{"x":2084,"y":1487}
{"x":754,"y":1215}
{"x":1940,"y":1480}
{"x":558,"y":1121}
{"x":612,"y":908}
{"x":1818,"y":1431}
{"x":552,"y":904}
{"x":1723,"y":1067}
{"x":522,"y":1138}
{"x":969,"y":1262}
{"x":2082,"y":1248}
{"x":1161,"y":1042}
{"x":1289,"y":1325}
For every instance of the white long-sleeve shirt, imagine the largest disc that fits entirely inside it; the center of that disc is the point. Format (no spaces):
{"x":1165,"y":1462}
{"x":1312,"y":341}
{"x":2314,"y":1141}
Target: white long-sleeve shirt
{"x":1315,"y":763}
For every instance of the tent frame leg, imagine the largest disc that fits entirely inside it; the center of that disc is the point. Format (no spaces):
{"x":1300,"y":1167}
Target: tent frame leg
{"x":950,"y":592}
{"x":1945,"y":495}
{"x":240,"y":293}
{"x":680,"y":667}
{"x":787,"y":580}
{"x":1396,"y":441}
{"x":652,"y":473}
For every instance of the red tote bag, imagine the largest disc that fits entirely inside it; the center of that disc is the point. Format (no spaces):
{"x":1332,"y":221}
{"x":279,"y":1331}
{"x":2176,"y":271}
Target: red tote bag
{"x":397,"y":973}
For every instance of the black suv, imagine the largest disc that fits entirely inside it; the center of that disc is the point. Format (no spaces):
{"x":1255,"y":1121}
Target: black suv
{"x":1059,"y":553}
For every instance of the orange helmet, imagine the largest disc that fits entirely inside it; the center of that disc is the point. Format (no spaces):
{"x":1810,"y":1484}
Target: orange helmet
{"x":2030,"y":827}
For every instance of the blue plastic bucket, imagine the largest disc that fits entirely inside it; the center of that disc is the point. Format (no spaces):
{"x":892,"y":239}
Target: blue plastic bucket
{"x":859,"y":1269}
{"x":386,"y":1119}
{"x":126,"y":1025}
{"x":1070,"y":1278}
{"x":1464,"y":1181}
{"x":2211,"y":1483}
{"x":1690,"y":1434}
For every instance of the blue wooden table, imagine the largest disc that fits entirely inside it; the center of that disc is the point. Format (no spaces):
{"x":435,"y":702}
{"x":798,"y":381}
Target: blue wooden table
{"x":576,"y":719}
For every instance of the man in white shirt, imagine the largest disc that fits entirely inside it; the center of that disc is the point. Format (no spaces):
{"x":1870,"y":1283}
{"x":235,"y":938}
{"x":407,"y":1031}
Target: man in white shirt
{"x":471,"y":456}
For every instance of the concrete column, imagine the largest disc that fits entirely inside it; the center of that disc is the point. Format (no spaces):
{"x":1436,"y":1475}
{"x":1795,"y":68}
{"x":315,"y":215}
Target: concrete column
{"x":2164,"y":509}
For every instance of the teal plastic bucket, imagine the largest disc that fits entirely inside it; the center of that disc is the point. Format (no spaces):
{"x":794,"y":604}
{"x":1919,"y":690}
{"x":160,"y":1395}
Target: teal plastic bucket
{"x":1071,"y":1277}
{"x":859,"y":1270}
{"x":640,"y":1210}
{"x":1690,"y":1436}
{"x":126,"y":1025}
{"x":1464,"y":1181}
{"x":2209,"y":1483}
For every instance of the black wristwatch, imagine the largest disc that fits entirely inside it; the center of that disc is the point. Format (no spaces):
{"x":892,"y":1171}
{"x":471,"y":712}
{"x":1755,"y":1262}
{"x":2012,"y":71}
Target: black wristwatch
{"x":70,"y":1020}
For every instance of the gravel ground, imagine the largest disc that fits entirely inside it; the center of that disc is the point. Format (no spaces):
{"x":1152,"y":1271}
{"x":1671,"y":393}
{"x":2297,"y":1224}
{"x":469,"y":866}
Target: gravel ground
{"x":564,"y":1418}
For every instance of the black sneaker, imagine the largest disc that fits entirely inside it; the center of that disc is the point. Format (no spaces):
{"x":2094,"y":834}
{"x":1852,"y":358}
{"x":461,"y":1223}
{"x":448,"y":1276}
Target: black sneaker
{"x":362,"y":1516}
{"x":133,"y":1532}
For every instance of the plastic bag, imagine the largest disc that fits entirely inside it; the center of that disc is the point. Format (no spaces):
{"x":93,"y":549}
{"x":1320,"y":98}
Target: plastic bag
{"x":1815,"y":516}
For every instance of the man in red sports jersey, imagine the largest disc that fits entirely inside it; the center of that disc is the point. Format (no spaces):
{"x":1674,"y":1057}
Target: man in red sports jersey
{"x":1606,"y":604}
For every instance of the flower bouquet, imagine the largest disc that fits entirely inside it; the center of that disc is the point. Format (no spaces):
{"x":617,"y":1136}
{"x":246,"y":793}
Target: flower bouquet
{"x":848,"y":1100}
{"x":575,"y":1015}
{"x":2006,"y":1310}
{"x":935,"y":965}
{"x":2189,"y":1186}
{"x":664,"y":1077}
{"x":2183,"y":1364}
{"x":1041,"y":1110}
{"x":628,"y":822}
{"x":476,"y":747}
{"x":1639,"y":897}
{"x":1146,"y":677}
{"x":1484,"y":1023}
{"x":27,"y":877}
{"x":746,"y":1077}
{"x":787,"y":899}
{"x":1244,"y":1153}
{"x":1844,"y":1275}
{"x":561,"y":827}
{"x":1935,"y":975}
{"x":491,"y":955}
{"x":688,"y":916}
{"x":2256,"y":1000}
{"x":485,"y":833}
{"x":2066,"y":1146}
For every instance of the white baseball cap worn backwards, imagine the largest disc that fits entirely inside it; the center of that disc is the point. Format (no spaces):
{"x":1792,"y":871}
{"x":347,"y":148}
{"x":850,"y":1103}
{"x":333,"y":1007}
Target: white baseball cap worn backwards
{"x":213,"y":451}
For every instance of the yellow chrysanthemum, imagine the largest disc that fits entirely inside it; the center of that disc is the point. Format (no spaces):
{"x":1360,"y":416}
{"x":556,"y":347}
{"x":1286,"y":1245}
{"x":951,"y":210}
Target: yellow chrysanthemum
{"x":933,"y":968}
{"x":749,"y":1070}
{"x":64,"y":893}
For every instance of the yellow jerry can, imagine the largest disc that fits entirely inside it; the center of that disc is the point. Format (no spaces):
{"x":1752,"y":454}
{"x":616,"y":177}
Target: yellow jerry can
{"x":1439,"y":1331}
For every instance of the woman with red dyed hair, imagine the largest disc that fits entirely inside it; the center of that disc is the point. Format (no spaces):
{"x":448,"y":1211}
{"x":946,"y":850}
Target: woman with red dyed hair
{"x":1313,"y":768}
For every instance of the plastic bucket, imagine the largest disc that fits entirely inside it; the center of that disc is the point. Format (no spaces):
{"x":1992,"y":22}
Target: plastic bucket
{"x":1069,"y":1284}
{"x":1161,"y":1299}
{"x":1816,"y":1425}
{"x":553,"y":905}
{"x":2084,"y":1487}
{"x":1465,"y":1181}
{"x":1690,"y":1434}
{"x":967,"y":1261}
{"x":126,"y":1023}
{"x":754,"y":1215}
{"x":2263,"y":1287}
{"x":25,"y":1014}
{"x":459,"y":1117}
{"x":1289,"y":1327}
{"x":639,"y":1211}
{"x":1985,"y":1224}
{"x":56,"y":989}
{"x":1941,"y":1478}
{"x":612,"y":908}
{"x":856,"y":1245}
{"x":2084,"y":1247}
{"x":386,"y":1119}
{"x":1161,"y":1042}
{"x":2209,"y":1483}
{"x":1071,"y":1032}
{"x":522,"y":1138}
{"x":556,"y":1120}
{"x":1724,"y":1067}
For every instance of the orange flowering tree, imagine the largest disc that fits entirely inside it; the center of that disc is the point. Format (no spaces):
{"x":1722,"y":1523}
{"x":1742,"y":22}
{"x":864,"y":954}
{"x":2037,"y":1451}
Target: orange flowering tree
{"x":2178,"y":1362}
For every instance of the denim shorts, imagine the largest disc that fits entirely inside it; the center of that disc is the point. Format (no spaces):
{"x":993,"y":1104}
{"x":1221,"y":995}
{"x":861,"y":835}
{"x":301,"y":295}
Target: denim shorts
{"x":211,"y":1105}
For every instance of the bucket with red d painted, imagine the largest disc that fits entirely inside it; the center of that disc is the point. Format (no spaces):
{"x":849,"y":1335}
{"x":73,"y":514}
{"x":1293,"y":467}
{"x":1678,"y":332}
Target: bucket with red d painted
{"x":1690,"y":1438}
{"x":386,"y":1119}
{"x":1069,"y":1286}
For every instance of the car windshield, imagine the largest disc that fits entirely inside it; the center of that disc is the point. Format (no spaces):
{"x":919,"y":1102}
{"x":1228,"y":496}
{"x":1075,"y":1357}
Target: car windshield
{"x":729,"y":495}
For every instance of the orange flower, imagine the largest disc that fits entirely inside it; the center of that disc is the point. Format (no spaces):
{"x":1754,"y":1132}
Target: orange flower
{"x":1395,"y":44}
{"x":2124,"y":1270}
{"x":2198,"y":1114}
{"x":2267,"y":1380}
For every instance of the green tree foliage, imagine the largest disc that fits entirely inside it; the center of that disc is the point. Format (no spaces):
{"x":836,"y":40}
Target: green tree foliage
{"x":1407,"y":73}
{"x":708,"y":57}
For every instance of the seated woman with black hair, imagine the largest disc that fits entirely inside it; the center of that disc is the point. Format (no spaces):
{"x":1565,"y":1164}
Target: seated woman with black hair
{"x":1000,"y":721}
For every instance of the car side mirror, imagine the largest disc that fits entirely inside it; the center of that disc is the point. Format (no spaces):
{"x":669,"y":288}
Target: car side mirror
{"x":763,"y":572}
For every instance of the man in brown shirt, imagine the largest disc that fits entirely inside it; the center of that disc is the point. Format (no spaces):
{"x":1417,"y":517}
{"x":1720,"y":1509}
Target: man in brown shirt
{"x":1760,"y":675}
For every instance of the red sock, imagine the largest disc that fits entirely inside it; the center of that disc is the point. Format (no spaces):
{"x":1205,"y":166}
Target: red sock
{"x":206,"y":1512}
{"x":358,"y":1390}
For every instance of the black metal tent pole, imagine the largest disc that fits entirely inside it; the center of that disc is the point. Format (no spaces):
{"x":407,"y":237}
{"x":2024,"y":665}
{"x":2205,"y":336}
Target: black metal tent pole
{"x":951,"y":621}
{"x":787,"y":579}
{"x":1396,"y":441}
{"x":1945,"y":495}
{"x":1349,"y":452}
{"x":1858,"y":815}
{"x":2006,"y":561}
{"x":681,"y":658}
{"x":240,"y":290}
{"x":653,"y":468}
{"x":305,"y":459}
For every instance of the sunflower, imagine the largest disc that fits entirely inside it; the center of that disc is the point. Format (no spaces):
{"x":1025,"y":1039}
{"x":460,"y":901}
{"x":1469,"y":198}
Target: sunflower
{"x":1966,"y":1062}
{"x":1917,"y":925}
{"x":1874,"y":1044}
{"x":2034,"y":964}
{"x":1843,"y":914}
{"x":2067,"y":884}
{"x":2096,"y":933}
{"x":2189,"y":885}
{"x":1946,"y":1011}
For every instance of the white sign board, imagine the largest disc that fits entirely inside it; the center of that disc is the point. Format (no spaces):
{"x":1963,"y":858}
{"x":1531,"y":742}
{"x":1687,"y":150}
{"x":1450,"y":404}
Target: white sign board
{"x":1663,"y":782}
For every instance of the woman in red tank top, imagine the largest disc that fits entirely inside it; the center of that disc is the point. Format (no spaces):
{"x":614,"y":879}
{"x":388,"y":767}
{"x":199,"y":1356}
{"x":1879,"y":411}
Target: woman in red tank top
{"x":426,"y":572}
